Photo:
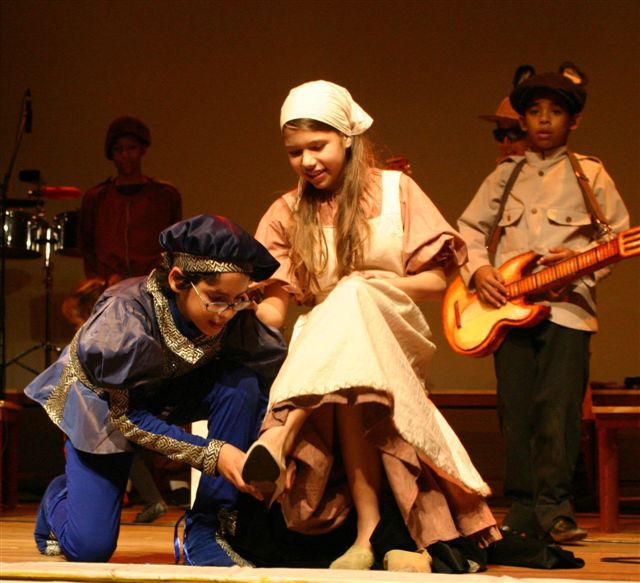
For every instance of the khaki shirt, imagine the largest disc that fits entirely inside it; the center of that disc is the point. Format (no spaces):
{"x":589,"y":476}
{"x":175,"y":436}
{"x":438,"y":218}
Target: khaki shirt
{"x":545,"y":209}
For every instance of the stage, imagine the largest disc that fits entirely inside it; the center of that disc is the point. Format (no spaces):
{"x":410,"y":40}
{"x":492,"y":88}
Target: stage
{"x":145,"y":553}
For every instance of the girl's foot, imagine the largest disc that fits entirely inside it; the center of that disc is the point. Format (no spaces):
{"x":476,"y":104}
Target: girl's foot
{"x":355,"y":558}
{"x":265,"y":472}
{"x":412,"y":562}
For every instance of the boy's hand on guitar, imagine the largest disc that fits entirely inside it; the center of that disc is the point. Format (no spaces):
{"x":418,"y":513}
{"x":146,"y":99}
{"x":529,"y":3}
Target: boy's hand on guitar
{"x":556,"y":254}
{"x":489,"y":285}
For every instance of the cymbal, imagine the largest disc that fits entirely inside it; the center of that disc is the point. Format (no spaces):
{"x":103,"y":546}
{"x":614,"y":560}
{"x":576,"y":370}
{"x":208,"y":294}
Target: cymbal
{"x":59,"y":192}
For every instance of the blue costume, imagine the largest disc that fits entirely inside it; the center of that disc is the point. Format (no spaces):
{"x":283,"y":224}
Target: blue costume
{"x":134,"y":373}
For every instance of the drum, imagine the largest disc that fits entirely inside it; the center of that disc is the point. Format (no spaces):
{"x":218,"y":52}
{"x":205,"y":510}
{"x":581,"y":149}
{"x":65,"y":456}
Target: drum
{"x":68,"y":238}
{"x":24,"y":234}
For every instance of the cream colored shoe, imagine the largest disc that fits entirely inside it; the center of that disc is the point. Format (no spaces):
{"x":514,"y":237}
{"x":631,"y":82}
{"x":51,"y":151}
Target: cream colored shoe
{"x":411,"y":562}
{"x":354,"y":558}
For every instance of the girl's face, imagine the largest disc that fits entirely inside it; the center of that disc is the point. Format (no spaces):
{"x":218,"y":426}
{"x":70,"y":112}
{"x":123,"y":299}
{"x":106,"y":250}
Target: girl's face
{"x":228,"y":288}
{"x":319,"y":157}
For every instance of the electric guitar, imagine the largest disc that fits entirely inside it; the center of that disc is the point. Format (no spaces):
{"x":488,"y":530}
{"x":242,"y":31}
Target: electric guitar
{"x":475,"y":328}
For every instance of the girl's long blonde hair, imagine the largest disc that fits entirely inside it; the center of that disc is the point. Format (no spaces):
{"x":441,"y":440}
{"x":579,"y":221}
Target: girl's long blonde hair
{"x":308,"y":244}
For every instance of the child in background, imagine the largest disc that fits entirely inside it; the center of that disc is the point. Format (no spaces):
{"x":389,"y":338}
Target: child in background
{"x":543,"y":371}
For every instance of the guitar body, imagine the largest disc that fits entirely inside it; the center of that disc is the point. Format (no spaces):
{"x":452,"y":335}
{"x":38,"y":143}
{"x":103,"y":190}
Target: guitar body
{"x":475,"y":328}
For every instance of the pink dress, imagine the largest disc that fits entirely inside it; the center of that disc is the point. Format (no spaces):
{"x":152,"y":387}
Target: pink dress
{"x":366,"y":342}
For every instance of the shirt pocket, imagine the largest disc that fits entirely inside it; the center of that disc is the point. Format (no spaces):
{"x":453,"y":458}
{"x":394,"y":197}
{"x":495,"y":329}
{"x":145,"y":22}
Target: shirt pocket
{"x":514,"y":230}
{"x":510,"y":216}
{"x":567,"y":227}
{"x":569,"y":217}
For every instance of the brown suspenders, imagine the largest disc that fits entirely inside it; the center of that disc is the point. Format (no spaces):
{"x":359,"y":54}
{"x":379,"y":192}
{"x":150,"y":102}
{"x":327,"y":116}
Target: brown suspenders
{"x":600,"y":225}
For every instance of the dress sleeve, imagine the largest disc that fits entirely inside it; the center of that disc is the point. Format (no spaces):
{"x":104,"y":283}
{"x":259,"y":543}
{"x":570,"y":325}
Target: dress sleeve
{"x":272,"y":232}
{"x":429,"y":240}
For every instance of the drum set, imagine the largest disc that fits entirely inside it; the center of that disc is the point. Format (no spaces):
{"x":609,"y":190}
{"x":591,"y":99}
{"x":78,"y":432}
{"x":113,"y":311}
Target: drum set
{"x":27,"y":234}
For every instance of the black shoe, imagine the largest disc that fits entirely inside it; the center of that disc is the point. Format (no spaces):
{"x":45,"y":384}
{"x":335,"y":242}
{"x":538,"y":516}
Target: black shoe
{"x":180,"y":497}
{"x":150,"y":513}
{"x":507,"y":531}
{"x":565,"y":530}
{"x":204,"y":543}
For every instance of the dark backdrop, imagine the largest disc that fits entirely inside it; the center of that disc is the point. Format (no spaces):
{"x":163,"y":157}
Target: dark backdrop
{"x":209,"y":79}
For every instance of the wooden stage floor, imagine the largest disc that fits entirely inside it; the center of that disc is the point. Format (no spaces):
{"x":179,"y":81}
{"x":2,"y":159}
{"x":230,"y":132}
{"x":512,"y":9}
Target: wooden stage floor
{"x":145,"y":552}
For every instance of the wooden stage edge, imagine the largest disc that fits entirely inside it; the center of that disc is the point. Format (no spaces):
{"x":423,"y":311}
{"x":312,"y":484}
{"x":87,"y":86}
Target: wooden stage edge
{"x":145,"y":553}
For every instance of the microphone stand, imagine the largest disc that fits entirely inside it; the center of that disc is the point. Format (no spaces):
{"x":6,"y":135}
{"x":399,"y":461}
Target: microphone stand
{"x":24,"y":123}
{"x":47,"y":345}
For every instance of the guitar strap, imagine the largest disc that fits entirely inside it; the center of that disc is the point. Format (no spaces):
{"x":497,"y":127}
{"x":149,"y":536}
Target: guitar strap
{"x":602,"y":228}
{"x":496,"y":231}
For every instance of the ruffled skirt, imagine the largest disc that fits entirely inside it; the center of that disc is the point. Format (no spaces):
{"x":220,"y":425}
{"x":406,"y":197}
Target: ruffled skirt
{"x":368,"y":343}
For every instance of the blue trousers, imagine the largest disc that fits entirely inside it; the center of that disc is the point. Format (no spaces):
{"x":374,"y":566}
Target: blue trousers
{"x":82,"y":509}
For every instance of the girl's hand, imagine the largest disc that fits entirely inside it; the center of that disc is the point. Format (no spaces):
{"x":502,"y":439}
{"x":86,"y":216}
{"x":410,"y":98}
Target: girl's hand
{"x":363,"y":274}
{"x":420,"y":287}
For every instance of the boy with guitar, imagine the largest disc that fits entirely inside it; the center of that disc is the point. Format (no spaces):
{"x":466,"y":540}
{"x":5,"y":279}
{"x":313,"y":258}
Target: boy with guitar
{"x":537,"y":211}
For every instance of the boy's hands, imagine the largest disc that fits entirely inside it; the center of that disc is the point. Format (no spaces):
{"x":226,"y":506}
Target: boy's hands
{"x":230,"y":462}
{"x":556,"y":254}
{"x":489,"y":284}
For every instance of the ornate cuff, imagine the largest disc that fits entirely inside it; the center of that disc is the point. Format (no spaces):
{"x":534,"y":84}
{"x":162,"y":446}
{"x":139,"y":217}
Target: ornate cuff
{"x":211,"y":455}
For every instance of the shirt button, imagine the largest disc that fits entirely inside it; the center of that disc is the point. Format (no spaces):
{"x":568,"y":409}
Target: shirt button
{"x":568,"y":219}
{"x":540,"y":173}
{"x":534,"y":211}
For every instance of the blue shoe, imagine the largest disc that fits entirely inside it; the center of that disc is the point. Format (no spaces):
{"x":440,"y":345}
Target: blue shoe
{"x":44,"y":536}
{"x":204,"y":544}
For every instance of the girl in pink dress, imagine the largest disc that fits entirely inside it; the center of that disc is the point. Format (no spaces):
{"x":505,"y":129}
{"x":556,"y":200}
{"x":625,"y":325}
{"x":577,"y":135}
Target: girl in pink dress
{"x":349,"y":416}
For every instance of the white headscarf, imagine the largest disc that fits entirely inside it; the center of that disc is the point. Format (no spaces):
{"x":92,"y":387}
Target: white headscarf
{"x":326,"y":102}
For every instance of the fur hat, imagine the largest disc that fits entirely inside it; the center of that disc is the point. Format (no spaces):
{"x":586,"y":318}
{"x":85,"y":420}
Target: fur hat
{"x":568,"y":84}
{"x":126,"y":126}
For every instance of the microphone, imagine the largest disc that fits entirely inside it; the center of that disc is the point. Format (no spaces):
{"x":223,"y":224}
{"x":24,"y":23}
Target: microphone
{"x":59,"y":192}
{"x":28,"y":112}
{"x":32,"y":176}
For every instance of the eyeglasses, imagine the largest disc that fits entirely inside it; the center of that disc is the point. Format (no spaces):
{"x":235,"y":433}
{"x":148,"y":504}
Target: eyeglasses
{"x":221,"y":307}
{"x":513,"y":134}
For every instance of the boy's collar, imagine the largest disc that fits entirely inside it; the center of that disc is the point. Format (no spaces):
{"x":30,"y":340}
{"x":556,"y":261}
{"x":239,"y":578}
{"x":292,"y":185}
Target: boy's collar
{"x":186,"y":328}
{"x":546,"y":154}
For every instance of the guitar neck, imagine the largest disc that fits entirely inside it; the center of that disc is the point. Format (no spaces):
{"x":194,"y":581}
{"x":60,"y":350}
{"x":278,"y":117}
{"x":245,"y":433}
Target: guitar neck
{"x":566,"y":271}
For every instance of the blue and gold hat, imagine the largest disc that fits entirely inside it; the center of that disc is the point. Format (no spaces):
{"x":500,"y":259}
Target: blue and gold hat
{"x":214,"y":244}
